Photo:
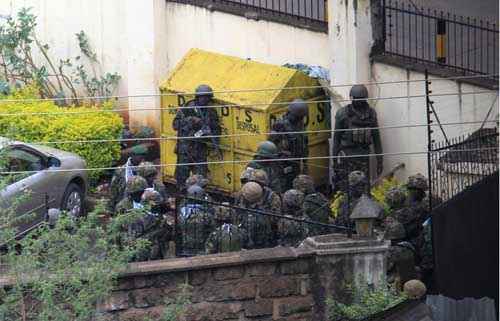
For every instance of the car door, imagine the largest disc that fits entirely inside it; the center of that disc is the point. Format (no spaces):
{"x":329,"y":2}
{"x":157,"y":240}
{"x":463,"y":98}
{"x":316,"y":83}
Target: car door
{"x":26,"y":192}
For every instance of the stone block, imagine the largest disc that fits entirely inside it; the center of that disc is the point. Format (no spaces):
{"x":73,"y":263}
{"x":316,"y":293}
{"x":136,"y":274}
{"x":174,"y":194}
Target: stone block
{"x":229,"y":273}
{"x":145,"y":298}
{"x":294,"y":305}
{"x":199,"y":277}
{"x":305,"y":285}
{"x":205,"y":311}
{"x":134,"y":314}
{"x":262,"y":269}
{"x":118,"y":300}
{"x":295,"y":267}
{"x":258,"y":308}
{"x":278,"y":287}
{"x":225,"y":291}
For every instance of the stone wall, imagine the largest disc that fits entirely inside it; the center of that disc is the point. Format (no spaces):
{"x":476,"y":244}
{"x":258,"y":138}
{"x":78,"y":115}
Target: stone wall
{"x":287,"y":284}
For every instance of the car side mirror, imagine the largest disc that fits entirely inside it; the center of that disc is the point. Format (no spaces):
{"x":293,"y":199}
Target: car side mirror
{"x":53,"y":162}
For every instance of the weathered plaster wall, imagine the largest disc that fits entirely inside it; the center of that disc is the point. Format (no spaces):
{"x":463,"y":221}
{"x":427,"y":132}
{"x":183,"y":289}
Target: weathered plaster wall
{"x":195,"y":27}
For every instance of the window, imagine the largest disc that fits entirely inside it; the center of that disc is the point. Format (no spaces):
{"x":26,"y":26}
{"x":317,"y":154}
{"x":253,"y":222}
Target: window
{"x":21,"y":160}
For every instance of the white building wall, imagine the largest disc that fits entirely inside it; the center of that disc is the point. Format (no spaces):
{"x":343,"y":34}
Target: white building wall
{"x":194,"y":27}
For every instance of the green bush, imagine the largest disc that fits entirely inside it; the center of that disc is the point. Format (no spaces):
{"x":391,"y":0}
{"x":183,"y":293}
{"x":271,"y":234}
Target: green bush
{"x":56,"y":124}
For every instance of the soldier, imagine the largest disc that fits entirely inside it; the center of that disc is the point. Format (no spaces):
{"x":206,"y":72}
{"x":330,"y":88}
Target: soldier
{"x":195,"y":121}
{"x":136,"y":185}
{"x":316,"y":205}
{"x":357,"y":140}
{"x":149,"y":171}
{"x":196,"y":220}
{"x":123,"y":174}
{"x":401,"y":259}
{"x":357,"y":184}
{"x":227,"y":237}
{"x":258,"y":226}
{"x":268,"y":151}
{"x":406,"y":215}
{"x":292,"y":145}
{"x":197,"y":179}
{"x":292,"y":232}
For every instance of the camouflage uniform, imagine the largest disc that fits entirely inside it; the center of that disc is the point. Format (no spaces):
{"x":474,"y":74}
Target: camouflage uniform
{"x":196,"y":221}
{"x":316,"y":206}
{"x":292,"y":145}
{"x":401,"y":258}
{"x":149,"y":171}
{"x":357,"y":185}
{"x":119,"y":180}
{"x":259,"y":226}
{"x":227,"y":237}
{"x":195,"y":122}
{"x":292,"y":232}
{"x":266,"y":151}
{"x":356,"y":116}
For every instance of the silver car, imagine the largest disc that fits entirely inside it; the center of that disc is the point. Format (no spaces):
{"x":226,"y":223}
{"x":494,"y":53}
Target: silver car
{"x":52,"y":178}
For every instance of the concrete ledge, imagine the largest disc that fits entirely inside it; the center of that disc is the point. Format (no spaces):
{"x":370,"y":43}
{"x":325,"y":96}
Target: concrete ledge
{"x":217,"y":260}
{"x":434,"y":69}
{"x":340,"y":244}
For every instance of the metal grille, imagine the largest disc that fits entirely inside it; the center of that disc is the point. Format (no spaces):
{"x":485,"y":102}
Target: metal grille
{"x":463,"y":44}
{"x":314,"y":11}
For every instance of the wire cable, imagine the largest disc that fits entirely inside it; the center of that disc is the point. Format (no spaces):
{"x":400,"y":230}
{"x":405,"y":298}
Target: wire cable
{"x":247,"y":90}
{"x":237,"y":106}
{"x":319,"y":131}
{"x":221,"y":162}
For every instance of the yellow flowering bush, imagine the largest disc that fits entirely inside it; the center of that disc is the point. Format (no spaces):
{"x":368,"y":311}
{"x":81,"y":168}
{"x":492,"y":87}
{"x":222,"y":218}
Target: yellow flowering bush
{"x":43,"y":121}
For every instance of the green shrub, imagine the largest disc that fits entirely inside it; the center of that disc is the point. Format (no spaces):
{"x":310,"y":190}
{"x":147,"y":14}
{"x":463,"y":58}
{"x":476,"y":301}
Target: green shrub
{"x":367,"y":302}
{"x":67,"y":124}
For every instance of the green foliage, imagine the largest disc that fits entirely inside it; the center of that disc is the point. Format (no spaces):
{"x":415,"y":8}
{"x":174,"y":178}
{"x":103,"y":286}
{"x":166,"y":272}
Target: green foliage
{"x":378,"y":192}
{"x":367,"y":302}
{"x":75,"y":124}
{"x":175,"y":310}
{"x":64,"y":273}
{"x":19,"y":46}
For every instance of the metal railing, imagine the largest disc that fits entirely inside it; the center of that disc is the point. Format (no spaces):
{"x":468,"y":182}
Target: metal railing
{"x":200,"y":228}
{"x":462,"y":44}
{"x":453,"y":170}
{"x":308,"y":11}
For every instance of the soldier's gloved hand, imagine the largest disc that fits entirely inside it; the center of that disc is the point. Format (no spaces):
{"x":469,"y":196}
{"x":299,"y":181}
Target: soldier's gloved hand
{"x":380,"y":166}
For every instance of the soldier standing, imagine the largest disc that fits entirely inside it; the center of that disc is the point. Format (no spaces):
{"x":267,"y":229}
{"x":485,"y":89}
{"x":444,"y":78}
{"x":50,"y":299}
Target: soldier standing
{"x":292,"y":232}
{"x":123,"y":174}
{"x":196,"y":121}
{"x":268,"y":151}
{"x":292,"y":145}
{"x":196,"y":220}
{"x":227,"y":237}
{"x":258,"y":226}
{"x":149,"y":171}
{"x":357,"y":186}
{"x":353,"y":137}
{"x":316,"y":205}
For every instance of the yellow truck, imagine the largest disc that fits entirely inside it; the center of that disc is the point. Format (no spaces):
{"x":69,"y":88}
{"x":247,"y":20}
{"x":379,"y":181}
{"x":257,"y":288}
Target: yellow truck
{"x":253,"y":95}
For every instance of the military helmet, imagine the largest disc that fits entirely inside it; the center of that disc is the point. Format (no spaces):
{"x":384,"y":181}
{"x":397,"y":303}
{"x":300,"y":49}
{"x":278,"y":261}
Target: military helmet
{"x":147,"y":169}
{"x":267,"y":148}
{"x":358,"y":92}
{"x":151,"y":197}
{"x":252,"y":192}
{"x":298,"y":108}
{"x":356,"y":177}
{"x":293,"y":198}
{"x":260,"y":176}
{"x":136,"y":184}
{"x":394,"y":230}
{"x":395,"y":197}
{"x":197,"y":179}
{"x":247,"y":175}
{"x":304,"y":183}
{"x":418,"y":181}
{"x":223,"y":212}
{"x":195,"y":191}
{"x":204,"y":90}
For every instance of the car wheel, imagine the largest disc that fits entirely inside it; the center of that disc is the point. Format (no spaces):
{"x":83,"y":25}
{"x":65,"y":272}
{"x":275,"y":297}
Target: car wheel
{"x":73,"y":200}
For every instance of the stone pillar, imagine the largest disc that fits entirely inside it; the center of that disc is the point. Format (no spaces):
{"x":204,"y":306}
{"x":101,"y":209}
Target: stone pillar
{"x":146,"y":59}
{"x":341,"y":262}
